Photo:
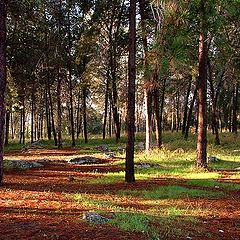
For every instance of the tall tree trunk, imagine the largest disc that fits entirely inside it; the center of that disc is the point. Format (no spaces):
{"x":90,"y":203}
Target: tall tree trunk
{"x":235,"y":109}
{"x":70,"y":75}
{"x":59,"y":110}
{"x":129,"y":176}
{"x":202,"y":92}
{"x":3,"y":78}
{"x":186,"y":107}
{"x":147,"y":82}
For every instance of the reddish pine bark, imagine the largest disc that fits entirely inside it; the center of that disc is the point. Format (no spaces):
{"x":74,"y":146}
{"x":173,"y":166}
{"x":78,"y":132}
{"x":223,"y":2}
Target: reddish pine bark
{"x":202,"y":92}
{"x":129,"y":177}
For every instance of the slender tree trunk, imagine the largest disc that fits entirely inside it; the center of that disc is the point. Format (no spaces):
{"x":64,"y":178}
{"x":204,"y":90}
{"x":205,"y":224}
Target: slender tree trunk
{"x":7,"y":128}
{"x":110,"y":121}
{"x":70,"y":75}
{"x":106,"y":107}
{"x":78,"y":124}
{"x":84,"y":108}
{"x":52,"y":122}
{"x":129,"y":176}
{"x":189,"y":117}
{"x":32,"y":119}
{"x":148,"y":104}
{"x":147,"y":82}
{"x":161,"y":112}
{"x":186,"y":107}
{"x":214,"y":96}
{"x":115,"y":112}
{"x":202,"y":92}
{"x":177,"y":111}
{"x":3,"y":78}
{"x":23,"y":123}
{"x":12,"y":125}
{"x":156,"y":97}
{"x":48,"y":124}
{"x":59,"y":110}
{"x":235,"y":109}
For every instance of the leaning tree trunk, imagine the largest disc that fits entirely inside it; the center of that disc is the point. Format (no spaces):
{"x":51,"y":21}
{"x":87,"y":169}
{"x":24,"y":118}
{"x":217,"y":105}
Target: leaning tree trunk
{"x":202,"y":92}
{"x":3,"y":77}
{"x":129,"y":176}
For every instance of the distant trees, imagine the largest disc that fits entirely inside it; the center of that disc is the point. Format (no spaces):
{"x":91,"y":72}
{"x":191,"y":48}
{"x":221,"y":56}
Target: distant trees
{"x":68,"y":69}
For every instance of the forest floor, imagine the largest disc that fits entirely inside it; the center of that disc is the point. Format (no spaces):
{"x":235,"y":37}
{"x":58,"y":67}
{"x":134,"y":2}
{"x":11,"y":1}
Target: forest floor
{"x":39,"y":203}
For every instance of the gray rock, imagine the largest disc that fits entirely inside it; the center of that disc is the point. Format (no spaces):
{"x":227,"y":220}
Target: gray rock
{"x":143,"y":165}
{"x":140,"y":146}
{"x":103,"y":148}
{"x":109,"y":155}
{"x":21,"y":164}
{"x":84,"y":160}
{"x":212,"y":159}
{"x":96,"y":218}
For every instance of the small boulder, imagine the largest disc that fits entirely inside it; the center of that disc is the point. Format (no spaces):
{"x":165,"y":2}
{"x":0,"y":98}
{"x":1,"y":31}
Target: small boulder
{"x":95,"y":218}
{"x":109,"y":155}
{"x":21,"y":164}
{"x":84,"y":160}
{"x":212,"y":159}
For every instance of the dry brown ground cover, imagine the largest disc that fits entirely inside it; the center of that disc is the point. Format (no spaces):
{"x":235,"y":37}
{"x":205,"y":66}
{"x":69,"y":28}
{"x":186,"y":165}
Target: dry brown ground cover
{"x":35,"y":203}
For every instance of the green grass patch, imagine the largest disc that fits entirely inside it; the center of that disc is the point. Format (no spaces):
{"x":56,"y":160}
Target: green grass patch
{"x":213,"y":183}
{"x":172,"y":192}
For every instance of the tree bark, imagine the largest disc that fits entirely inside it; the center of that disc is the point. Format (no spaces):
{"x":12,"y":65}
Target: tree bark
{"x":129,"y":176}
{"x":3,"y":78}
{"x":235,"y":109}
{"x":214,"y":96}
{"x":84,"y":108}
{"x":147,"y":82}
{"x":59,"y":110}
{"x":32,"y":119}
{"x":186,"y":107}
{"x":189,"y":117}
{"x":106,"y":107}
{"x":7,"y":128}
{"x":202,"y":92}
{"x":48,"y":124}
